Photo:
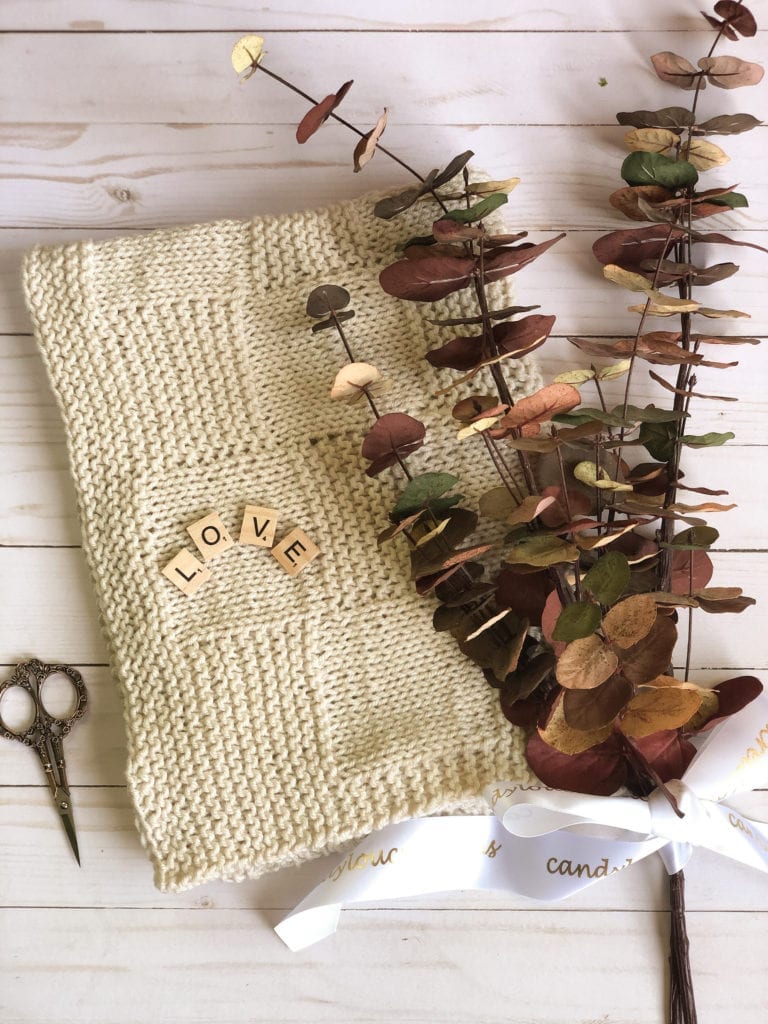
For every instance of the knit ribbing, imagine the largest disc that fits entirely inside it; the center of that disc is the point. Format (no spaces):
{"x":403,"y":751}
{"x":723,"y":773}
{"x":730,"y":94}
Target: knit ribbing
{"x":269,"y":718}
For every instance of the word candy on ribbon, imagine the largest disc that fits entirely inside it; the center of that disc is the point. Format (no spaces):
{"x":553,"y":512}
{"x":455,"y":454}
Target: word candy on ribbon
{"x":527,"y":847}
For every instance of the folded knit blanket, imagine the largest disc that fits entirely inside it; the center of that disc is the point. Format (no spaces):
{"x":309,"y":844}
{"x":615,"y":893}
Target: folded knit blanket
{"x":269,"y":717}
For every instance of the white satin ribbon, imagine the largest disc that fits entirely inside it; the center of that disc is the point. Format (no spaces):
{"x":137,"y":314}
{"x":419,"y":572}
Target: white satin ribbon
{"x":527,"y":846}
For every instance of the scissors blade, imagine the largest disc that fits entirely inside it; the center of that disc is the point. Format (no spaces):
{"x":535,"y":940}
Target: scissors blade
{"x":65,"y":813}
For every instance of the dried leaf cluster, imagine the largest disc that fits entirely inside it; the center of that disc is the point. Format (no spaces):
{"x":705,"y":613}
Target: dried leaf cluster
{"x":573,"y":614}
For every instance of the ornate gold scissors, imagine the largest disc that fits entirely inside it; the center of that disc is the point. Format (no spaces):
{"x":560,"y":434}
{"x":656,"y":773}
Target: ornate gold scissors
{"x":46,"y":731}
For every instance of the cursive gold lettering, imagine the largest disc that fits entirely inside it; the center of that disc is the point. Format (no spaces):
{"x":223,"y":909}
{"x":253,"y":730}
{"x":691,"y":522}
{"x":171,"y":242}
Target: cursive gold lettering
{"x":362,"y":860}
{"x":492,"y":849}
{"x":759,"y":750}
{"x":600,"y":870}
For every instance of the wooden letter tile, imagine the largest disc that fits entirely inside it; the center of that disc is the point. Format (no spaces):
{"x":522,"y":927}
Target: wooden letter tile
{"x":259,"y":525}
{"x":210,"y":536}
{"x":295,"y":551}
{"x":186,"y":572}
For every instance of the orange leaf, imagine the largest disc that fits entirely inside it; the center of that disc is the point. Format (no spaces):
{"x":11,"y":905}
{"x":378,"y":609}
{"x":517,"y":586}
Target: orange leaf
{"x":630,"y":620}
{"x":585,"y":664}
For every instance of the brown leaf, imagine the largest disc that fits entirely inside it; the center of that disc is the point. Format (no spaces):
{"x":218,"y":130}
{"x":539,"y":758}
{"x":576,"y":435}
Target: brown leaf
{"x":627,"y":200}
{"x":529,"y":509}
{"x":319,"y":114}
{"x":366,"y":147}
{"x":652,"y":656}
{"x":565,"y":738}
{"x":599,"y":771}
{"x":421,"y":567}
{"x":672,"y":68}
{"x":541,"y":406}
{"x":692,"y":394}
{"x":396,"y":528}
{"x":585,"y":664}
{"x":594,"y":709}
{"x":447,"y":230}
{"x":720,"y":600}
{"x":731,"y":72}
{"x":427,"y":280}
{"x":630,"y":620}
{"x":653,"y":710}
{"x":630,"y":246}
{"x":511,"y":260}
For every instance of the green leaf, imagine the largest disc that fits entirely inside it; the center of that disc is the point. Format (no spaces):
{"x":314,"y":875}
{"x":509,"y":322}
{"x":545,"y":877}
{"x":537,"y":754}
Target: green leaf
{"x":734,"y":200}
{"x":542,"y":550}
{"x":479,"y":210}
{"x":659,"y":440}
{"x":608,"y":578}
{"x":587,"y":414}
{"x":655,"y":169}
{"x":421,"y":491}
{"x":648,"y":414}
{"x":577,"y":620}
{"x":710,"y":440}
{"x":697,"y":538}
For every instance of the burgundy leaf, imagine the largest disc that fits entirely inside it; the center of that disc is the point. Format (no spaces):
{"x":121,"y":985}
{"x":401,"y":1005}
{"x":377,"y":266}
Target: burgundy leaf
{"x":737,"y":16}
{"x":513,"y":259}
{"x":428,"y":279}
{"x":447,"y":230}
{"x":393,"y":435}
{"x":525,"y":594}
{"x":733,"y":695}
{"x":667,"y":752}
{"x":728,"y":72}
{"x":457,"y":354}
{"x":319,"y":114}
{"x":518,"y":337}
{"x":599,"y":771}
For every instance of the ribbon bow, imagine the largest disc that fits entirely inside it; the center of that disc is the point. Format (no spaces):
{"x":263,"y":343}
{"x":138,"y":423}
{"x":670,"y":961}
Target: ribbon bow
{"x":547,"y":844}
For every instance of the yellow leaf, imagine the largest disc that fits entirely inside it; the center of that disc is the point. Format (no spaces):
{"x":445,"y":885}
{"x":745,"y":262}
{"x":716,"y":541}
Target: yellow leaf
{"x":657,"y":708}
{"x":661,"y":304}
{"x":626,"y":278}
{"x":482,"y":188}
{"x":585,"y":664}
{"x":704,"y":155}
{"x":586,"y":473}
{"x":650,"y":140}
{"x":246,"y":54}
{"x":574,"y":377}
{"x":629,"y":621}
{"x":477,"y":427}
{"x":427,"y":537}
{"x":614,"y":371}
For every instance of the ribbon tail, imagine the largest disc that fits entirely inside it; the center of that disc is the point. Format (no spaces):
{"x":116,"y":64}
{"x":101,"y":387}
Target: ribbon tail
{"x":675,"y":856}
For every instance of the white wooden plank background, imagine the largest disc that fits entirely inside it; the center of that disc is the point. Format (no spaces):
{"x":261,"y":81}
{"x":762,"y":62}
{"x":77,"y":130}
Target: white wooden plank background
{"x":122,"y":115}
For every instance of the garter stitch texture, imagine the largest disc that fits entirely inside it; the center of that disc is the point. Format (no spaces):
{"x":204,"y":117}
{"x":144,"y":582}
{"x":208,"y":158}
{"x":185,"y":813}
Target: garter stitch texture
{"x":269,"y":719}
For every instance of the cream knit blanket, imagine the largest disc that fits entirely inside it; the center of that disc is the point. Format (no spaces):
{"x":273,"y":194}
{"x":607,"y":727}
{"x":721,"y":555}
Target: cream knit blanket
{"x":269,"y":718}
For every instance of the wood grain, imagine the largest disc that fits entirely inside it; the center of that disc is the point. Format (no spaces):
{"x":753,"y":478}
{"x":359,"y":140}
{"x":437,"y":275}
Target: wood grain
{"x":77,"y":176}
{"x":188,"y":79}
{"x":487,"y":16}
{"x":404,"y":965}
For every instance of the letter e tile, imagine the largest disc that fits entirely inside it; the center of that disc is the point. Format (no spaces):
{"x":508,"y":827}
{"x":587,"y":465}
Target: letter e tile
{"x":210,"y":536}
{"x":295,"y":551}
{"x":185,"y":572}
{"x":259,"y":525}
